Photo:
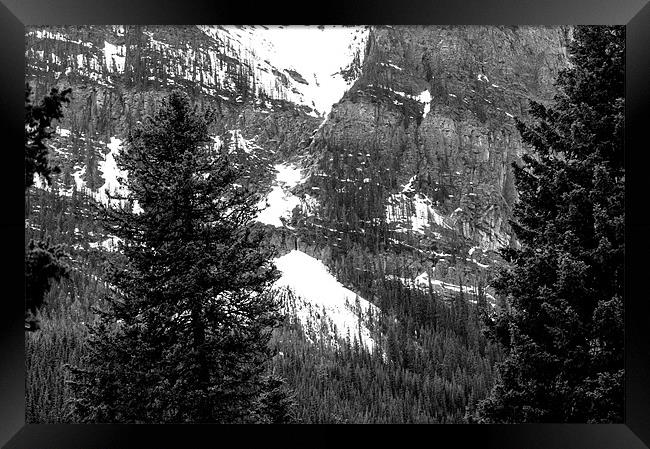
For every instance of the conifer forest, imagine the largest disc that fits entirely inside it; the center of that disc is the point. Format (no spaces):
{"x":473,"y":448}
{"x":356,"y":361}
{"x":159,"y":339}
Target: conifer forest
{"x":332,"y":224}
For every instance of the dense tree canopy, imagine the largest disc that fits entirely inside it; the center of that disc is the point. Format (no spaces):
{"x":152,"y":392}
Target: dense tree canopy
{"x":184,"y":337}
{"x":564,"y":329}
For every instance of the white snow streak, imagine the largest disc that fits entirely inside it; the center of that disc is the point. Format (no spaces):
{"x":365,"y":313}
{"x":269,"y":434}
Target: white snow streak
{"x":422,"y":281}
{"x":425,"y":98}
{"x":281,"y":202}
{"x":63,"y":132}
{"x":45,"y":34}
{"x":110,"y":170}
{"x":310,"y":280}
{"x":417,"y":210}
{"x":114,"y":55}
{"x":109,"y":244}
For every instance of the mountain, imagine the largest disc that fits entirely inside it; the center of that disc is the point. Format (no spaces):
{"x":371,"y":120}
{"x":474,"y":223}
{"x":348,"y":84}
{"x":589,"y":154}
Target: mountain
{"x":415,"y":155}
{"x":117,"y":73}
{"x":411,"y":172}
{"x":435,"y":107}
{"x":382,"y":157}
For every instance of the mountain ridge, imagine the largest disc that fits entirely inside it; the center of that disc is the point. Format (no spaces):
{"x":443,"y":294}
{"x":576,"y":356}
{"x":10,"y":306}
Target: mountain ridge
{"x":410,"y":167}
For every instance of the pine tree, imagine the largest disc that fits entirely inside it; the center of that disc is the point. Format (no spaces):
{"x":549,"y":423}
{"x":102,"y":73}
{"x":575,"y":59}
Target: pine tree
{"x":184,"y":337}
{"x":564,"y":333}
{"x":44,"y":262}
{"x":277,"y":403}
{"x":38,"y":121}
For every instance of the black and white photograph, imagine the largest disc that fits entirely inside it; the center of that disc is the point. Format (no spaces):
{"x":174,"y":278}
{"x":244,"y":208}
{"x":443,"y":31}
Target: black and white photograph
{"x":317,"y":224}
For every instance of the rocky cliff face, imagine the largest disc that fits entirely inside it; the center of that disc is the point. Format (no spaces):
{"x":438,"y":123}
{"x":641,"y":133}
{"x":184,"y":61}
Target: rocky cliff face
{"x":118,"y":73}
{"x":397,"y":197}
{"x":436,"y":105}
{"x":415,"y":156}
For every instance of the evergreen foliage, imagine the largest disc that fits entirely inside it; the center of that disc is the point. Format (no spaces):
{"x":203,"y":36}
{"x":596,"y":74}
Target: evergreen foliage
{"x":431,"y":362}
{"x":44,"y":263}
{"x":564,"y":329}
{"x":184,"y":335}
{"x":38,"y":121}
{"x":184,"y":315}
{"x":277,"y":403}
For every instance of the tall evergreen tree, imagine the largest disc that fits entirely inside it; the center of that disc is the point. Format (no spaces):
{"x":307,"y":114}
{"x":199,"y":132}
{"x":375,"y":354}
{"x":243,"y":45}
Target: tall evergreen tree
{"x":184,"y":337}
{"x":277,"y":403}
{"x":44,"y":262}
{"x":564,"y":331}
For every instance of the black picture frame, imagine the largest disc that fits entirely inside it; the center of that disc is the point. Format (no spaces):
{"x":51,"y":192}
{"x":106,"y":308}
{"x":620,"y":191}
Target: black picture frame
{"x":635,"y":14}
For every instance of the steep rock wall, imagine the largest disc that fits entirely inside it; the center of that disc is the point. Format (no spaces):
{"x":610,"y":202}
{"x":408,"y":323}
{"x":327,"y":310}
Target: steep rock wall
{"x":438,"y":103}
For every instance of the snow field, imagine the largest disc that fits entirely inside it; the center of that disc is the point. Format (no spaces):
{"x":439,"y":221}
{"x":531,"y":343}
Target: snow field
{"x":316,"y":289}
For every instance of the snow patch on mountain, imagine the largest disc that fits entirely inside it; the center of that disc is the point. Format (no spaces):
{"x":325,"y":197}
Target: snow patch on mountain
{"x":110,"y":171}
{"x":311,"y":59}
{"x":318,"y":294}
{"x":288,"y":175}
{"x":319,"y":54}
{"x":114,"y":56}
{"x":423,"y":281}
{"x":280,"y":203}
{"x":109,"y":244}
{"x":425,"y":98}
{"x":416,"y":211}
{"x":238,"y":142}
{"x":113,"y":176}
{"x":408,"y":187}
{"x":62,"y":132}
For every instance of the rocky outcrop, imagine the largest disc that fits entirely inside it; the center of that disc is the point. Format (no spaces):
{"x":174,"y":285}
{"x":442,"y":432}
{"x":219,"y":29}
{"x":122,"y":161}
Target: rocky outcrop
{"x":432,"y":107}
{"x":118,"y":75}
{"x":439,"y":103}
{"x":407,"y":178}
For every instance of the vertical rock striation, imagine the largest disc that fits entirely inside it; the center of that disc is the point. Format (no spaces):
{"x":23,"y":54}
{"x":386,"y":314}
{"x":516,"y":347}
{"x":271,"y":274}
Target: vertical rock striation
{"x":438,"y":103}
